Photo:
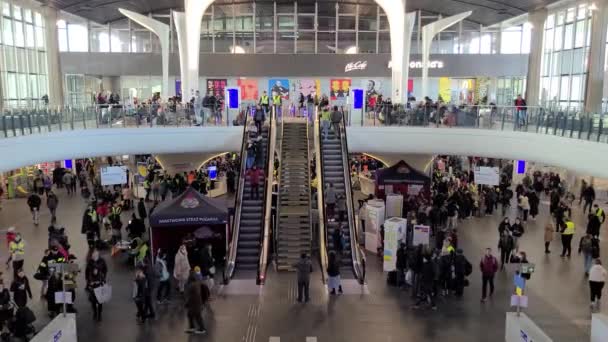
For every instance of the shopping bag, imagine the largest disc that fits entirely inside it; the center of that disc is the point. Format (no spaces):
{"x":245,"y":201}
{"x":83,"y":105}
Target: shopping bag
{"x":103,"y":293}
{"x":409,"y":275}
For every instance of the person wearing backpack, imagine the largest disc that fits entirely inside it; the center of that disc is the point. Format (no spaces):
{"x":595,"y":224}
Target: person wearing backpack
{"x":164,"y":279}
{"x":259,"y":117}
{"x":488,"y":266}
{"x":585,"y":247}
{"x":517,"y":231}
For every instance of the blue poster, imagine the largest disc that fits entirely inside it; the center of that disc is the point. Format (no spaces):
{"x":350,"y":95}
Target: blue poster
{"x":279,"y":86}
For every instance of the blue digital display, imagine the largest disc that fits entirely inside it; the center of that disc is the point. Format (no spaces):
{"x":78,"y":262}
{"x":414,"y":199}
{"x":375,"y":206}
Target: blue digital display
{"x":358,"y":96}
{"x":521,"y":167}
{"x":68,"y":163}
{"x":233,"y":98}
{"x":212,"y":170}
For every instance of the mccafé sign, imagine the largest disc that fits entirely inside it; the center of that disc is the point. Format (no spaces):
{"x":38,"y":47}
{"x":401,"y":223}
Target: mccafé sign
{"x":358,"y":65}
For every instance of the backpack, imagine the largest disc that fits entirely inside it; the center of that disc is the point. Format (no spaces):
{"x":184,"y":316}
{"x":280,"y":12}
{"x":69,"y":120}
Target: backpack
{"x":586,"y":245}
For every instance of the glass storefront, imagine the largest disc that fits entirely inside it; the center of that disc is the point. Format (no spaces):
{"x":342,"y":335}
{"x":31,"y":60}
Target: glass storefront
{"x":23,"y":63}
{"x":294,"y":27}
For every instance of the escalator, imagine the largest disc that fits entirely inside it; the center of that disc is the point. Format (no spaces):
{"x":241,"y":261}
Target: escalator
{"x":248,"y":248}
{"x":335,"y":170}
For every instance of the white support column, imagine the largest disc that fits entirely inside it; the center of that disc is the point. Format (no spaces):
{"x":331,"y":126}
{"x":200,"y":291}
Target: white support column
{"x":162,"y":31}
{"x":594,"y":87}
{"x":401,"y":27}
{"x":537,"y":20}
{"x":428,"y":32}
{"x":179,"y":20}
{"x":54,"y":76}
{"x":194,"y":11}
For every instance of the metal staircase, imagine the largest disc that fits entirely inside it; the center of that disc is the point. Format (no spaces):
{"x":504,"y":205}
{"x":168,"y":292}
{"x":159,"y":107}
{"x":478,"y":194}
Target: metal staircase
{"x":294,"y":228}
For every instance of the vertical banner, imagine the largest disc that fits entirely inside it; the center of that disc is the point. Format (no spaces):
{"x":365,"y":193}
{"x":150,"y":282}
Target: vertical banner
{"x":178,"y":87}
{"x":279,"y":87}
{"x":217,"y":87}
{"x":249,"y":89}
{"x":394,"y":229}
{"x":339,"y":89}
{"x":445,"y":89}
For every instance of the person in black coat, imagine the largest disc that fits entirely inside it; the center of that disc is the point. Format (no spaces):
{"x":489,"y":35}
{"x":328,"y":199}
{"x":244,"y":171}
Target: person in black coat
{"x":534,"y":201}
{"x":141,"y":209}
{"x":6,"y":309}
{"x":21,"y":289}
{"x":337,"y":239}
{"x":462,"y":268}
{"x":55,"y":284}
{"x":136,"y":227}
{"x":95,"y":279}
{"x":401,"y":264}
{"x":427,"y":281}
{"x":593,"y":226}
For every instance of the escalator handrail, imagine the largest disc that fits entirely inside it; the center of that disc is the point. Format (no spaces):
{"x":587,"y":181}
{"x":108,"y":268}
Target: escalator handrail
{"x":231,"y":264}
{"x":320,"y":197}
{"x":356,"y":252}
{"x":268,"y":173}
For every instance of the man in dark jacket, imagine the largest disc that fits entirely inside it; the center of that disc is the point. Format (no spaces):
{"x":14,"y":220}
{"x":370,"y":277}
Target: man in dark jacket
{"x":589,"y":197}
{"x":488,"y":266}
{"x":194,"y":305}
{"x":336,"y":117}
{"x":401,"y":264}
{"x":141,"y":209}
{"x":462,"y":268}
{"x":303,"y":270}
{"x":34,"y":201}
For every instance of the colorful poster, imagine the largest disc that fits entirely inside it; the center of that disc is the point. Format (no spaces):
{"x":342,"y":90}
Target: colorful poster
{"x":279,"y":86}
{"x":445,"y":89}
{"x":217,"y":87}
{"x":339,"y":89}
{"x":249,"y":89}
{"x":307,"y":87}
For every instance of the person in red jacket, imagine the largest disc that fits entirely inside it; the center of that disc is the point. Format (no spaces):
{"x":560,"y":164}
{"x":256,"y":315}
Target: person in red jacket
{"x":255,"y":175}
{"x":488,"y":266}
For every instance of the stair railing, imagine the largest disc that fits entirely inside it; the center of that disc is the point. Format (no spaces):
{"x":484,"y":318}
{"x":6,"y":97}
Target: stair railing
{"x":268,"y":173}
{"x":357,"y":254}
{"x":238,"y":204}
{"x":320,"y":198}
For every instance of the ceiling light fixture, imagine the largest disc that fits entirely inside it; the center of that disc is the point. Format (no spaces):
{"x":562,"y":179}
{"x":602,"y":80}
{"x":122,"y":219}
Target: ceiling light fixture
{"x":237,"y":49}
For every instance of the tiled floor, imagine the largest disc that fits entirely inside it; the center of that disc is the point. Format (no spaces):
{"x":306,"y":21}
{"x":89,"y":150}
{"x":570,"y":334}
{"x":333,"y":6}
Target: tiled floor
{"x":558,"y":296}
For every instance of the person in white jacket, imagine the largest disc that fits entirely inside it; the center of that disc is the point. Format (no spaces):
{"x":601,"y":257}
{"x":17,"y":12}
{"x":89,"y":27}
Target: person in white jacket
{"x":181,"y":270}
{"x":524,"y":204}
{"x":597,"y":278}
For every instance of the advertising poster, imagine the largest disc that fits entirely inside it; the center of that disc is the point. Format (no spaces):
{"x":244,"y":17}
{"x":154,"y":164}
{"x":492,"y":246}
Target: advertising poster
{"x":249,"y":90}
{"x":445,"y":89}
{"x":421,"y":235}
{"x":307,"y":87}
{"x":111,"y":175}
{"x":373,"y":87}
{"x":484,"y":175}
{"x":279,"y":86}
{"x":339,"y":89}
{"x":217,"y":87}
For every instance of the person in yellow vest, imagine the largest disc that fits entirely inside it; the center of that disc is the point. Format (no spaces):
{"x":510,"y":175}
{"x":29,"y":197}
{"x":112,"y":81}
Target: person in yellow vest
{"x":599,"y":212}
{"x":568,"y":230}
{"x":17,"y":254}
{"x":264,"y":101}
{"x":147,"y":188}
{"x":277,"y":103}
